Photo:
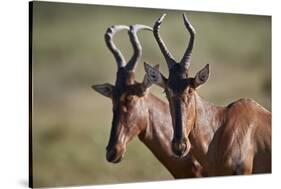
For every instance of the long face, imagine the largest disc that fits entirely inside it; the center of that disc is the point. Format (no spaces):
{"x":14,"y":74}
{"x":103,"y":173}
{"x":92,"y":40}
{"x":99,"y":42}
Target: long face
{"x":179,"y":87}
{"x":180,"y":90}
{"x":129,"y":113}
{"x":127,"y":95}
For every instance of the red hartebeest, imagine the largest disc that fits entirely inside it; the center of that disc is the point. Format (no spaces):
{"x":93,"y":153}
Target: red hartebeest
{"x":235,"y":139}
{"x":136,"y":112}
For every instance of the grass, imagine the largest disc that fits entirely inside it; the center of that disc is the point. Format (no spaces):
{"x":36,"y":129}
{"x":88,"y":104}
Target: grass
{"x":71,"y":123}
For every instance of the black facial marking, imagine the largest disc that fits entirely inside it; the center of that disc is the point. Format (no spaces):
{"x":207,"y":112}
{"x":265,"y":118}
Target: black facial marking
{"x":125,"y":85}
{"x":121,"y":84}
{"x":178,"y":78}
{"x":178,"y":120}
{"x":114,"y":127}
{"x":122,"y":78}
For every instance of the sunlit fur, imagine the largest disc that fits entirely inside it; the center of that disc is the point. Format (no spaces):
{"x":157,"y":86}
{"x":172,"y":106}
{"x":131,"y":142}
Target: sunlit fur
{"x":141,"y":114}
{"x":136,"y":112}
{"x":235,"y":139}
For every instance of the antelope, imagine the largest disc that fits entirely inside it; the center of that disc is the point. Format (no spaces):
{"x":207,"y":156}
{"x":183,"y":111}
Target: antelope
{"x":230,"y":140}
{"x":137,"y":112}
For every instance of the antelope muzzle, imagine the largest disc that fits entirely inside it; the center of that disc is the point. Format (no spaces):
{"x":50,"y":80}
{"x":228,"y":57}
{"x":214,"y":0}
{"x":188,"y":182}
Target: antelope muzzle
{"x":180,"y":147}
{"x":180,"y":144}
{"x":115,"y":154}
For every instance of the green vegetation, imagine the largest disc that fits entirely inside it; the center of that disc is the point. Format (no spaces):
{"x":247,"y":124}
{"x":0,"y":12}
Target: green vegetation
{"x":71,"y":122}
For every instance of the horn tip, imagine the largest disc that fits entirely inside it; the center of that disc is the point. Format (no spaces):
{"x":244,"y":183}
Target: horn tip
{"x":94,"y":87}
{"x":162,"y":17}
{"x":137,"y":27}
{"x":185,"y":18}
{"x":159,"y":20}
{"x":188,"y":24}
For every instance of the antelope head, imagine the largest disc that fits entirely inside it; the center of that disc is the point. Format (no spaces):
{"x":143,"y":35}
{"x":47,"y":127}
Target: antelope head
{"x":127,"y":95}
{"x":179,"y":88}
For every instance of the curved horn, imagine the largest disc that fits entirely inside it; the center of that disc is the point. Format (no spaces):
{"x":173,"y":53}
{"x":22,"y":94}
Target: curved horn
{"x":187,"y":55}
{"x":136,"y":45}
{"x":109,"y":43}
{"x":167,"y":55}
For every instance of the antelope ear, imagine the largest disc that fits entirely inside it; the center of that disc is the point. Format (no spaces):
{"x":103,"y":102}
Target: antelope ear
{"x":146,"y":83}
{"x":201,"y":76}
{"x":154,"y":75}
{"x":104,"y":89}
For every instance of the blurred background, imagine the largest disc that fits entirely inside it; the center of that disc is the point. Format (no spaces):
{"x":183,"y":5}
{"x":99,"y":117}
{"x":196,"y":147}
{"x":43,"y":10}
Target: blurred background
{"x":71,"y":122}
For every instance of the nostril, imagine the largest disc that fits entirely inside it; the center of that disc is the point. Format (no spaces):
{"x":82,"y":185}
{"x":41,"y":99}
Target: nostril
{"x":183,"y":147}
{"x":179,"y":148}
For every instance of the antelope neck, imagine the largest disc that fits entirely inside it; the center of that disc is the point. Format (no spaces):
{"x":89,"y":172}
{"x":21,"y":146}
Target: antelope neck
{"x":158,"y":123}
{"x":208,"y":119}
{"x":157,"y":136}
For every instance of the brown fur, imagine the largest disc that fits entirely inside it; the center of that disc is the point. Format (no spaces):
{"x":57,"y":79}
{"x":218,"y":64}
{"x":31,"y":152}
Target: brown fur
{"x":230,"y":140}
{"x":136,"y":112}
{"x":150,"y":121}
{"x":225,"y":140}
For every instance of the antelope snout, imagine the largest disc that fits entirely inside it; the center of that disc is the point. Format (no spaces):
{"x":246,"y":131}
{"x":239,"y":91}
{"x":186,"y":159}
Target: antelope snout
{"x":180,"y":147}
{"x":115,"y":154}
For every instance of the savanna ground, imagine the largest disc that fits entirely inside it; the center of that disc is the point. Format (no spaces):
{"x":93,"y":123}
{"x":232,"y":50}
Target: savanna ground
{"x":71,"y":122}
